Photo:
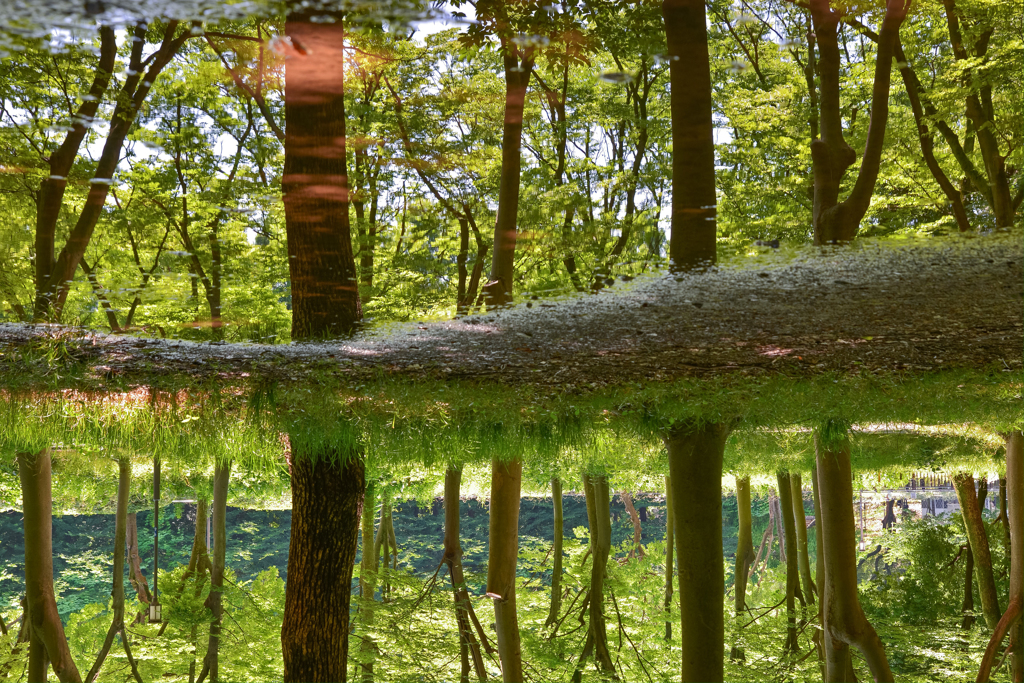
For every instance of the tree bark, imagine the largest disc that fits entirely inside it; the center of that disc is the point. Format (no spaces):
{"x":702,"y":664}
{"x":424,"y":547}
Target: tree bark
{"x":627,"y":501}
{"x":599,"y":516}
{"x":138,"y":579}
{"x":967,"y":606}
{"x":844,"y":620}
{"x":325,"y":291}
{"x":221,"y":479}
{"x":503,"y":547}
{"x":837,"y":222}
{"x":468,"y":645}
{"x":556,"y":552}
{"x":368,"y":585}
{"x":792,"y":564}
{"x":819,"y":573}
{"x":745,"y":543}
{"x":800,"y":518}
{"x":327,"y":499}
{"x":693,"y":241}
{"x":518,"y":67}
{"x":695,"y":452}
{"x":978,"y":539}
{"x":47,"y":632}
{"x":1015,"y":514}
{"x":670,"y":544}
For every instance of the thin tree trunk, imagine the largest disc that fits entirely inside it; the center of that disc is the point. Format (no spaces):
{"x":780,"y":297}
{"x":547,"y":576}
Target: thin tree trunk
{"x":695,"y":453}
{"x":556,"y":552}
{"x":368,"y":585}
{"x":693,"y":241}
{"x":325,"y":291}
{"x":138,"y":579}
{"x":792,"y":565}
{"x":744,"y":544}
{"x":627,"y":501}
{"x":967,"y":606}
{"x":599,"y":516}
{"x":800,"y":518}
{"x":670,"y":545}
{"x":844,"y":620}
{"x":469,"y":647}
{"x":819,"y":572}
{"x":47,"y":632}
{"x":327,"y":502}
{"x":221,"y":479}
{"x":124,"y":478}
{"x":978,"y":539}
{"x":503,"y":552}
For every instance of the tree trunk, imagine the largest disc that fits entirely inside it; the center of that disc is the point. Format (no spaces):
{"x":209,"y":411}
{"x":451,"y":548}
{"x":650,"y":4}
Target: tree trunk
{"x":124,"y":479}
{"x":221,"y":479}
{"x":468,"y":645}
{"x":324,"y":288}
{"x":834,"y":221}
{"x":744,"y":544}
{"x":844,"y":620}
{"x":517,"y":78}
{"x":692,"y":244}
{"x":47,"y":632}
{"x":599,"y":516}
{"x":819,"y":572}
{"x":556,"y":552}
{"x":797,"y":490}
{"x":978,"y":539}
{"x":670,"y":544}
{"x":792,"y":564}
{"x":695,"y":452}
{"x":327,"y":501}
{"x":1015,"y":496}
{"x":627,"y":501}
{"x":368,"y":586}
{"x":503,"y":552}
{"x":967,"y":606}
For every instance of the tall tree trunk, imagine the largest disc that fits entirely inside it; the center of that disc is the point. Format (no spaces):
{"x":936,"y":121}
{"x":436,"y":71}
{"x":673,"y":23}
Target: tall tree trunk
{"x":967,"y":606}
{"x":978,"y":539}
{"x":135,"y":575}
{"x":368,"y":586}
{"x":556,"y":552}
{"x":124,"y":479}
{"x":634,"y":517}
{"x":1015,"y":497}
{"x":838,"y":221}
{"x":503,"y":553}
{"x":695,"y":452}
{"x":221,"y":479}
{"x":744,"y":544}
{"x":670,"y":544}
{"x":844,"y":620}
{"x":327,"y":502}
{"x":792,"y":564}
{"x":599,"y":516}
{"x":819,"y":572}
{"x":325,"y":292}
{"x":47,"y":632}
{"x":468,"y":645}
{"x":797,"y":489}
{"x":517,"y":78}
{"x":692,"y":244}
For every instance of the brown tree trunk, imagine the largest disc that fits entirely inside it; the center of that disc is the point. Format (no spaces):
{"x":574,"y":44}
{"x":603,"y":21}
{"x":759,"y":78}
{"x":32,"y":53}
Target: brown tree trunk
{"x":670,"y":544}
{"x":692,"y":244}
{"x":800,"y":518}
{"x":978,"y":539}
{"x":327,"y":501}
{"x":124,"y":479}
{"x":844,"y":620}
{"x":503,"y":553}
{"x":819,"y":572}
{"x":47,"y":632}
{"x":745,"y":543}
{"x":325,"y":292}
{"x":967,"y":606}
{"x":695,"y":452}
{"x":221,"y":479}
{"x":468,"y":645}
{"x":834,"y":221}
{"x":634,"y":517}
{"x":517,"y":77}
{"x":792,"y":564}
{"x":368,"y":585}
{"x":556,"y":552}
{"x":599,"y":516}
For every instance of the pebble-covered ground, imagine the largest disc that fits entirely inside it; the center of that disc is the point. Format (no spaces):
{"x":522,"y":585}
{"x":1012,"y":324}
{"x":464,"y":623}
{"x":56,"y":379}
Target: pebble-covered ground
{"x":878,"y":308}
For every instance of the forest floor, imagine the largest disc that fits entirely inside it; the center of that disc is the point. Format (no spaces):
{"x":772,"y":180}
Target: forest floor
{"x":877,"y":308}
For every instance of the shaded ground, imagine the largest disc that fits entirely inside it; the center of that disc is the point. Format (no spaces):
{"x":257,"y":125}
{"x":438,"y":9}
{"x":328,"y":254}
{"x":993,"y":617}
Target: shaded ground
{"x":918,"y":307}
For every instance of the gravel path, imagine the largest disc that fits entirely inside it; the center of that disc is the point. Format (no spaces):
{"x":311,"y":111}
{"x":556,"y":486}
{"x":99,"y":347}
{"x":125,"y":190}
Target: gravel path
{"x":918,"y":307}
